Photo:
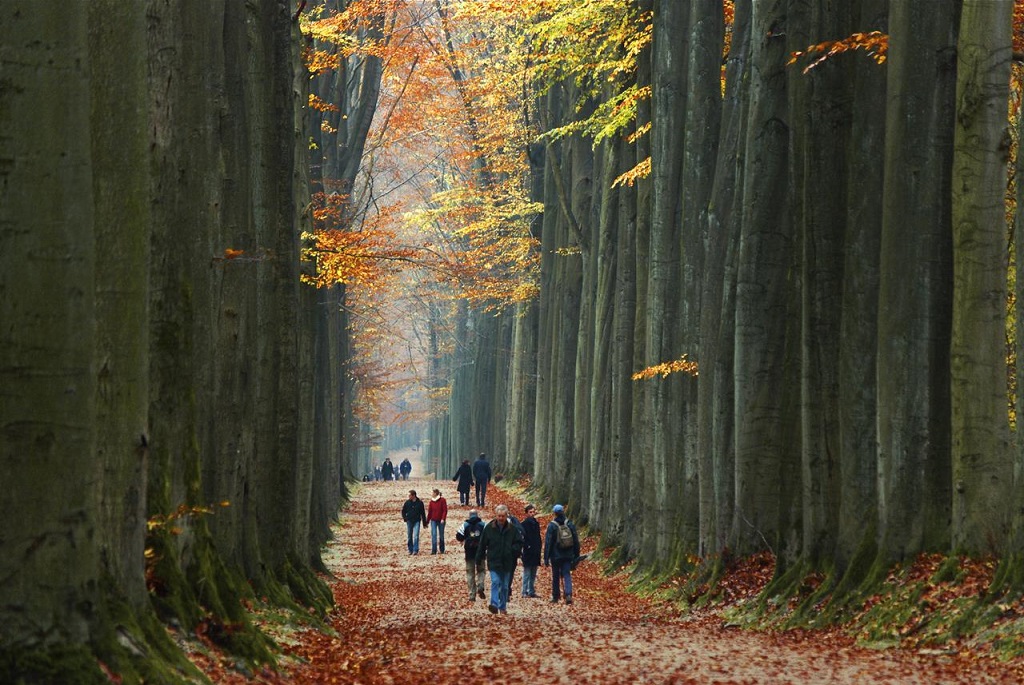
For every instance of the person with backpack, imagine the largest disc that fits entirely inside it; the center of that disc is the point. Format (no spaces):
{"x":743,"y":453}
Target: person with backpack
{"x":531,"y":551}
{"x":413,"y":514}
{"x":405,"y":468}
{"x":501,"y":544}
{"x":437,"y":516}
{"x":561,"y":548}
{"x":469,"y":534}
{"x":482,"y":475}
{"x":464,"y":477}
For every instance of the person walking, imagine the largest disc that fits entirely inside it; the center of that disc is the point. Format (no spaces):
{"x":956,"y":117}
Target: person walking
{"x":413,"y":514}
{"x":561,"y":547}
{"x":469,"y":534}
{"x":501,"y":544}
{"x":464,"y":477}
{"x":387,"y":469}
{"x":405,"y":468}
{"x":482,"y":475}
{"x":531,"y":550}
{"x":437,"y":516}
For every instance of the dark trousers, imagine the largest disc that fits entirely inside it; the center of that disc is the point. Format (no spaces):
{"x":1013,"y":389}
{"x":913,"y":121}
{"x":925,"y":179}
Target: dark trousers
{"x":481,"y":492}
{"x":561,"y":570}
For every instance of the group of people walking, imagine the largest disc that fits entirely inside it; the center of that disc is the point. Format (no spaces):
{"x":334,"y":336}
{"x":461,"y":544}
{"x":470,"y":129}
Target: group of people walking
{"x":387,"y":470}
{"x":494,"y":547}
{"x":502,"y":542}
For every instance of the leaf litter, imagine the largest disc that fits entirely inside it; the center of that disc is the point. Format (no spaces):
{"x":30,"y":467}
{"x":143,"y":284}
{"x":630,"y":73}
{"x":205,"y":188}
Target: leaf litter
{"x":406,"y":619}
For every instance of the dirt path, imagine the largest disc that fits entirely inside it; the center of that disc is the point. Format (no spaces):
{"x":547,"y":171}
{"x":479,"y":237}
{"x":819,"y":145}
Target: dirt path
{"x":406,"y":619}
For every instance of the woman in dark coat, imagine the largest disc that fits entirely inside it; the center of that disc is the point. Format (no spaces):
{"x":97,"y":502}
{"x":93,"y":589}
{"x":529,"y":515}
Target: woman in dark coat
{"x":465,"y":478}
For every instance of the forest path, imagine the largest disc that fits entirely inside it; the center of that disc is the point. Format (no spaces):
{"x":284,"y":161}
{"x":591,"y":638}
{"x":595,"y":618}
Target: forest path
{"x":406,"y":619}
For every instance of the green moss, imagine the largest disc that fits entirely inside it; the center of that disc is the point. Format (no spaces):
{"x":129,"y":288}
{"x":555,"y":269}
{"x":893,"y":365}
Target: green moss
{"x":57,"y":665}
{"x":136,"y":646}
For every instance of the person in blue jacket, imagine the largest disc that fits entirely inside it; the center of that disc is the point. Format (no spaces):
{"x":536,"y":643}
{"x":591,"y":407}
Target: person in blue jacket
{"x":561,"y":548}
{"x":481,"y":475}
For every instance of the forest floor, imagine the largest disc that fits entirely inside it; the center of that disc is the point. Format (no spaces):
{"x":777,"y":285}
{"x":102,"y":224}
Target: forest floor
{"x":406,"y":619}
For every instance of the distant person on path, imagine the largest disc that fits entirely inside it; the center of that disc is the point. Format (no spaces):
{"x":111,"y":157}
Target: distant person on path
{"x":376,"y":473}
{"x":561,"y":547}
{"x":464,"y":476}
{"x":469,"y":534}
{"x":413,"y":514}
{"x":501,"y":544}
{"x":437,"y":516}
{"x":481,"y":474}
{"x":387,"y":469}
{"x":405,"y":468}
{"x":531,"y":551}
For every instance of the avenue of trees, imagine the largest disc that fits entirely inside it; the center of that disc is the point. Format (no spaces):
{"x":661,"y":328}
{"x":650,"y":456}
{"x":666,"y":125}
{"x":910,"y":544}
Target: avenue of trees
{"x":608,"y":187}
{"x":832,"y":247}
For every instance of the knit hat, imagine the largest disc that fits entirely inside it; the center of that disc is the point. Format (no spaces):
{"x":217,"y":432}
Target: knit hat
{"x":558,"y":509}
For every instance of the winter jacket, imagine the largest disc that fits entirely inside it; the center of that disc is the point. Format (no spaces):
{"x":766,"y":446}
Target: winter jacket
{"x":413,"y":510}
{"x":531,"y":541}
{"x":465,"y":478}
{"x":437,"y":510}
{"x":481,"y":470}
{"x":405,"y":468}
{"x":387,"y":470}
{"x":500,"y":546}
{"x":463,"y":533}
{"x":552,"y":552}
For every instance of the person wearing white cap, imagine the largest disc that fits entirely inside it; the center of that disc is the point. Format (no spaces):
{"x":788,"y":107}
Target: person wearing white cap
{"x":561,"y":547}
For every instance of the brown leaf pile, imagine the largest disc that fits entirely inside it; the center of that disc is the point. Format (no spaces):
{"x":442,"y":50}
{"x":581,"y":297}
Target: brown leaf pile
{"x":406,"y":619}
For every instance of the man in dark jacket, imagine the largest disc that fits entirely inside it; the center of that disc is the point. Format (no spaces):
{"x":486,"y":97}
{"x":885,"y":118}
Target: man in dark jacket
{"x":469,"y":535}
{"x":482,"y":475}
{"x":560,"y":549}
{"x":531,"y":551}
{"x":501,"y":544}
{"x":414,"y":514}
{"x":387,"y":469}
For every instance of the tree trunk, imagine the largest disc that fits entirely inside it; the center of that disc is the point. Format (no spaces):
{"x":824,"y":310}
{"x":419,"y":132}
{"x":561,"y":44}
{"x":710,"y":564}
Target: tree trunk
{"x":766,"y":438}
{"x":669,"y":55}
{"x":822,"y":127}
{"x":982,"y":462}
{"x":915,"y":283}
{"x":48,"y":371}
{"x":858,"y":474}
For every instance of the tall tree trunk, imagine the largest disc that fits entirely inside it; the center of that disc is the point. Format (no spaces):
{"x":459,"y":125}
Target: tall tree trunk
{"x":640,"y":475}
{"x":858,"y":474}
{"x":982,"y":462}
{"x":767,"y":436}
{"x":597,"y":491}
{"x":120,"y":146}
{"x":48,"y":370}
{"x":702,"y":125}
{"x":719,"y":221}
{"x":822,"y":121}
{"x":669,"y":54}
{"x":915,"y":282}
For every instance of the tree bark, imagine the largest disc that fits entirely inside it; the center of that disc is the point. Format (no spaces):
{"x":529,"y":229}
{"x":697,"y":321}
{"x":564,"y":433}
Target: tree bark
{"x":982,"y":462}
{"x":915,"y":283}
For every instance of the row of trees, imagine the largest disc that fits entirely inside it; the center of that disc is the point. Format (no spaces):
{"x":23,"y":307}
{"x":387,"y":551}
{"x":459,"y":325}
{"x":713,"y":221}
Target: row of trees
{"x":174,"y":414}
{"x":831,"y":247}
